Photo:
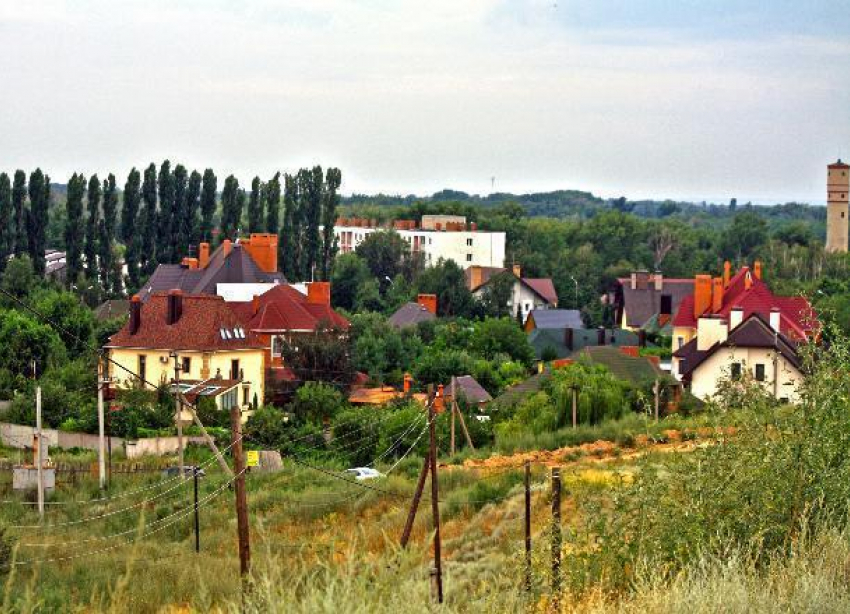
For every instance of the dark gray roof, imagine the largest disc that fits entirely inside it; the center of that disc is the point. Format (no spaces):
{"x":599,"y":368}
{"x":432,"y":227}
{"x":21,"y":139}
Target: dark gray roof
{"x":556,"y":318}
{"x":410,"y":314}
{"x":641,"y":304}
{"x":633,"y":369}
{"x":112,"y":309}
{"x":467,"y":387}
{"x":541,"y":338}
{"x":237,"y":267}
{"x":518,"y":393}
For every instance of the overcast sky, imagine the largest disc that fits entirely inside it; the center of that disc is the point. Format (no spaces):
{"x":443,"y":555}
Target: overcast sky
{"x":642,"y":98}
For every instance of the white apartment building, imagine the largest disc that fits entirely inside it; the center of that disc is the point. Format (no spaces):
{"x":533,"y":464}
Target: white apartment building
{"x":446,"y":237}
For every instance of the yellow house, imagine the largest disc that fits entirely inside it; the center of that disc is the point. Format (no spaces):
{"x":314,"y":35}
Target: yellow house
{"x":216,"y":356}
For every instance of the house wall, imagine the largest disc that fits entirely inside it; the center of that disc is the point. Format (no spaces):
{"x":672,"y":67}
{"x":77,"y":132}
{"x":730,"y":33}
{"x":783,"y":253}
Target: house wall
{"x":522,"y":297}
{"x":203,"y":365}
{"x":683,"y":334}
{"x":717,"y":367}
{"x":465,"y":247}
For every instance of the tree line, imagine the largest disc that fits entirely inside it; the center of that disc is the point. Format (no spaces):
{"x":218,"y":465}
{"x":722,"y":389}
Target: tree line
{"x":161,"y":216}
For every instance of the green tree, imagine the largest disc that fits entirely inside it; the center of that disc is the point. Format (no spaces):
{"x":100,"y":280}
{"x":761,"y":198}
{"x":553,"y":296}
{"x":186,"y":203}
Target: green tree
{"x":447,"y":281}
{"x":181,"y":225}
{"x":19,"y":197}
{"x":272,"y":198}
{"x":368,"y":297}
{"x":39,"y":191}
{"x":746,"y":234}
{"x":349,"y":274}
{"x":333,"y":180}
{"x":74,"y":229}
{"x":317,"y":402}
{"x":208,"y":203}
{"x":7,"y":238}
{"x":289,"y":232}
{"x":193,"y":202}
{"x":93,"y":207}
{"x":494,"y":336}
{"x":110,"y":271}
{"x":256,"y":219}
{"x":24,"y":341}
{"x":231,"y":212}
{"x":74,"y":322}
{"x":18,"y":279}
{"x":166,"y":220}
{"x":496,"y":295}
{"x":312,"y":219}
{"x":149,"y":221}
{"x":323,"y":356}
{"x":129,"y":228}
{"x":383,"y":252}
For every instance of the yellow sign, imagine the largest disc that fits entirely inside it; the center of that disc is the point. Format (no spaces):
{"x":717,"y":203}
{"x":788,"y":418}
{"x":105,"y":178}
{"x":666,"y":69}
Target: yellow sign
{"x":253,"y":458}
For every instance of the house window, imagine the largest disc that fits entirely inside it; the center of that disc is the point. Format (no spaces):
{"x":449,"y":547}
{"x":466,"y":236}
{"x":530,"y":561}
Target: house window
{"x":469,"y":242}
{"x":469,"y":257}
{"x":680,"y":342}
{"x":143,"y":368}
{"x":230,"y":399}
{"x":234,"y":369}
{"x":277,"y":346}
{"x":245,"y":400}
{"x":186,"y":367}
{"x":759,"y":372}
{"x":735,"y":370}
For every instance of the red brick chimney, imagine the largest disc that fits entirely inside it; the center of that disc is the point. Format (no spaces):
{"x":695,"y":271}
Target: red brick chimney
{"x":428,"y":301}
{"x":702,"y":295}
{"x":319,"y":293}
{"x":203,"y":255}
{"x":757,"y":269}
{"x":255,"y":304}
{"x":227,"y":245}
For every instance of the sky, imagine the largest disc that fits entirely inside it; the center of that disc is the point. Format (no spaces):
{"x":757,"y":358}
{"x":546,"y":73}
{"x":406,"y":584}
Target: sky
{"x":642,"y":98}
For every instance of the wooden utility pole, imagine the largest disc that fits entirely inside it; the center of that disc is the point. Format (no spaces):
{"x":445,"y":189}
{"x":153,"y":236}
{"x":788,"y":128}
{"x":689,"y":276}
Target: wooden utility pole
{"x":437,"y":572}
{"x":527,"y":526}
{"x":420,"y":485}
{"x":556,"y":537}
{"x":101,"y":447}
{"x":241,"y":500}
{"x":197,"y":518}
{"x":656,"y":389}
{"x":39,"y":453}
{"x":178,"y":414}
{"x":453,"y":428}
{"x":463,"y":426}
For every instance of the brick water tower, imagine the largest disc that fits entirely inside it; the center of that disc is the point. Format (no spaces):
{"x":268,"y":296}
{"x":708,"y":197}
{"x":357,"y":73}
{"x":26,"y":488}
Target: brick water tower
{"x":837,"y":191}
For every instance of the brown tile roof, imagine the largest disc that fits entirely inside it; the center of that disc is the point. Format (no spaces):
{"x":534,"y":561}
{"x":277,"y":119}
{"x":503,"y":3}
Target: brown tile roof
{"x":467,"y":387}
{"x":641,"y":304}
{"x":199,"y":328}
{"x":283,"y":308}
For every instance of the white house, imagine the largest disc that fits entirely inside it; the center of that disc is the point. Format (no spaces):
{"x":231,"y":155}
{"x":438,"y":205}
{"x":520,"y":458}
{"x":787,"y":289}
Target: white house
{"x":527,"y":294}
{"x":446,"y":237}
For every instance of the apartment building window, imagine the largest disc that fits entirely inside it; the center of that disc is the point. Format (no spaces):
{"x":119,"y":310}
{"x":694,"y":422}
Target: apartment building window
{"x":735,"y":370}
{"x":469,"y":257}
{"x":143,"y":368}
{"x":234,"y":369}
{"x":186,"y":367}
{"x":759,"y":372}
{"x":469,"y":242}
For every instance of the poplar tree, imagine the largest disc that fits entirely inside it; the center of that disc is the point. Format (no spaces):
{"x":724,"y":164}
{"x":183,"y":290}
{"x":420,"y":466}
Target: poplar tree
{"x":165,"y":238}
{"x":39,"y":192}
{"x":148,"y":255}
{"x":193,"y":201}
{"x":208,"y":197}
{"x":272,"y":198}
{"x":110,"y":280}
{"x":7,"y":237}
{"x":91,"y":248}
{"x":74,"y":227}
{"x":129,"y":227}
{"x":229,"y":204}
{"x":255,"y":207}
{"x":311,"y":218}
{"x":180,"y":234}
{"x":330,"y":201}
{"x":288,"y":239}
{"x":19,"y":197}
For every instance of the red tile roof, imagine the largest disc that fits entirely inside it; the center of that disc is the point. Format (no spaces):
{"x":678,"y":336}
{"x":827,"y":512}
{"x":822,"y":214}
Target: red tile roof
{"x":544,"y":287}
{"x":283,"y":308}
{"x":797,"y":318}
{"x":199,"y":328}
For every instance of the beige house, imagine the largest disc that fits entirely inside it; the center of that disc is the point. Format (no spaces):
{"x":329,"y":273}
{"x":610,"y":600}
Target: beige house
{"x":722,"y":351}
{"x":217,"y":357}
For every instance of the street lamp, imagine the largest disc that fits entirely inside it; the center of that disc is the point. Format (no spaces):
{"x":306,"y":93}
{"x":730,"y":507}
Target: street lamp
{"x":576,"y":284}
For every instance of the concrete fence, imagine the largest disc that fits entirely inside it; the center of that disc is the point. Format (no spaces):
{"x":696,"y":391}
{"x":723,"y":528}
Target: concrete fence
{"x":21,"y":436}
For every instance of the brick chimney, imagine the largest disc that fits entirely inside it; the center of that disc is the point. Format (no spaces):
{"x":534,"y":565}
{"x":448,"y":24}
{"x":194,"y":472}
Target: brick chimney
{"x":135,"y":314}
{"x":748,"y":278}
{"x":226,"y":245}
{"x":408,"y":381}
{"x":517,"y":269}
{"x":439,"y":400}
{"x":203,"y":255}
{"x":262,"y":247}
{"x":658,"y":279}
{"x":702,"y":295}
{"x":727,"y":273}
{"x":255,"y":304}
{"x":716,"y":294}
{"x":319,"y":293}
{"x":175,"y":307}
{"x":757,"y":269}
{"x":428,"y":301}
{"x":189,"y":263}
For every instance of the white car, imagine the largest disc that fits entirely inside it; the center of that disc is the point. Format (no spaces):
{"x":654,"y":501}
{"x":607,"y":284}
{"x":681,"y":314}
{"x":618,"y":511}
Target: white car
{"x":364,"y":473}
